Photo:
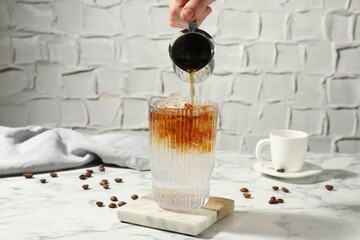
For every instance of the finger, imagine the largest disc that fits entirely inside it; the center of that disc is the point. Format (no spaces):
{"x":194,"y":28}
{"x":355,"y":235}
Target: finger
{"x":176,"y":21}
{"x":206,"y":13}
{"x":175,"y":7}
{"x":194,"y":9}
{"x":179,"y":23}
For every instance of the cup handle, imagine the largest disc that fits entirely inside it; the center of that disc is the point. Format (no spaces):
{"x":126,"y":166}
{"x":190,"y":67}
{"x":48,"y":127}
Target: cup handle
{"x":259,"y":146}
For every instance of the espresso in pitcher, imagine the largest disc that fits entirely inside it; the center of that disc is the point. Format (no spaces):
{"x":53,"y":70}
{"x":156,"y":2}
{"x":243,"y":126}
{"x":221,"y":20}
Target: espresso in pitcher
{"x":191,"y":52}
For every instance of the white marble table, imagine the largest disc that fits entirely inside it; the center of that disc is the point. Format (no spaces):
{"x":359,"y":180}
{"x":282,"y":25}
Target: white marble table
{"x":61,"y":209}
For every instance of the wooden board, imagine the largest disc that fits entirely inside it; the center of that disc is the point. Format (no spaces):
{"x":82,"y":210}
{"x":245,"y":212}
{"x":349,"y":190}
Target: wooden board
{"x":144,"y":211}
{"x":222,"y":206}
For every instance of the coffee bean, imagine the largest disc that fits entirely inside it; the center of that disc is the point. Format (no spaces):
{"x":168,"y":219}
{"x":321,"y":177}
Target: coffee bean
{"x":113,"y":198}
{"x":82,"y":177}
{"x":280,"y":170}
{"x":134,"y":197}
{"x":275,"y":188}
{"x":112,"y":205}
{"x":99,"y":203}
{"x":101,"y":168}
{"x":28,"y":175}
{"x":246,"y":195}
{"x":284,"y":189}
{"x":53,"y":174}
{"x":244,"y":190}
{"x":90,"y":171}
{"x":106,"y":186}
{"x":273,"y":202}
{"x":103,"y":182}
{"x":87,"y":174}
{"x":118,"y":180}
{"x":329,"y":187}
{"x":43,"y":180}
{"x":85,"y":186}
{"x":121,"y":203}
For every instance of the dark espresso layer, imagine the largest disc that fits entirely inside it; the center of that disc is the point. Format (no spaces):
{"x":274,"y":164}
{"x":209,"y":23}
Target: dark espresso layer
{"x":192,"y":128}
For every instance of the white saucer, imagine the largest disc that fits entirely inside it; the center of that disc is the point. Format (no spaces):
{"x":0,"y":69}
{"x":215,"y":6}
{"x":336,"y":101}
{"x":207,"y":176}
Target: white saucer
{"x":309,"y":169}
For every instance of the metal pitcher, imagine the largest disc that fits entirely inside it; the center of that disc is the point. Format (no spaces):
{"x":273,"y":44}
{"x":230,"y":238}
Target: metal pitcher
{"x":192,"y":50}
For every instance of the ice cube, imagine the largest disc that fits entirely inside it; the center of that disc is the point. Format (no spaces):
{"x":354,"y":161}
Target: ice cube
{"x":176,"y":99}
{"x":163,"y":103}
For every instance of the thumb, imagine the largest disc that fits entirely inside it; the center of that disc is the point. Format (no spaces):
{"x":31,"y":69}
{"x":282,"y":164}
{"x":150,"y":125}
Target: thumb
{"x":194,"y":9}
{"x":187,"y":14}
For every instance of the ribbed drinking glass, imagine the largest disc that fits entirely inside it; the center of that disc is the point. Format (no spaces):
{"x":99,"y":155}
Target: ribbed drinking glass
{"x":182,"y":152}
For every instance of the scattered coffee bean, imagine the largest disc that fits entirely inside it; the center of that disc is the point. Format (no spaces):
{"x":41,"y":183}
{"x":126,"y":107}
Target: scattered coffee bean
{"x":85,"y":186}
{"x":121,"y":203}
{"x":53,"y":174}
{"x":101,"y":168}
{"x":87,"y":174}
{"x":43,"y":180}
{"x":244,"y":190}
{"x":112,"y":205}
{"x":329,"y":187}
{"x":118,"y":180}
{"x":246,"y":195}
{"x":28,"y":175}
{"x":273,"y":201}
{"x":280,"y":170}
{"x":106,"y":186}
{"x":134,"y":197}
{"x":113,"y":198}
{"x":99,"y":203}
{"x":82,"y":177}
{"x":103,"y":182}
{"x":275,"y":188}
{"x":285,"y":190}
{"x":90,"y":171}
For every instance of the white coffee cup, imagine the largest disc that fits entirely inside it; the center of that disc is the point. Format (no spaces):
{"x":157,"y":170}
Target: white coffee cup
{"x":287,"y":147}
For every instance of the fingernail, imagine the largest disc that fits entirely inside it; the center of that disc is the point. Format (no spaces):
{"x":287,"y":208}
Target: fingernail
{"x":187,"y":14}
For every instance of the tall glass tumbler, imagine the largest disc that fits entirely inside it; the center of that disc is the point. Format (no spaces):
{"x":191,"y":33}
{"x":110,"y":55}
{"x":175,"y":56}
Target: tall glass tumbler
{"x":182,"y":152}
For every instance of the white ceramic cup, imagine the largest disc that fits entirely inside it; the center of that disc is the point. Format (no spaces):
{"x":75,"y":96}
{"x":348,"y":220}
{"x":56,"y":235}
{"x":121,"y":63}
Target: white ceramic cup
{"x":288,"y":149}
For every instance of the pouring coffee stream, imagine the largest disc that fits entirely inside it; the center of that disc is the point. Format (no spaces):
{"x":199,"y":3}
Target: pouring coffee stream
{"x":192,"y":52}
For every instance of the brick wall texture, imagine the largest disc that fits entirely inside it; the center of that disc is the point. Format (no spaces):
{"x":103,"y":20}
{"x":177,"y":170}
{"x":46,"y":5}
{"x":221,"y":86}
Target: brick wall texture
{"x":93,"y":65}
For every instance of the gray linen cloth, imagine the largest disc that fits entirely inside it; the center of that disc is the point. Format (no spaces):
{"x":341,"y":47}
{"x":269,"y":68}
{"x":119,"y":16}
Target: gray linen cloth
{"x":38,"y":149}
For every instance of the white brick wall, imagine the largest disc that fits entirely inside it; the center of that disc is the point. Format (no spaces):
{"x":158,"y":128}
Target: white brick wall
{"x":306,"y":25}
{"x":33,"y":17}
{"x":309,"y":92}
{"x":93,"y":65}
{"x":27,"y":49}
{"x":69,"y":15}
{"x":65,"y":50}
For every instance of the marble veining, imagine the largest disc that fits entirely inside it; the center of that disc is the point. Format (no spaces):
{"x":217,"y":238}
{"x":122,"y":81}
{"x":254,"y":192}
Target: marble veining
{"x":61,"y":209}
{"x":146,"y":212}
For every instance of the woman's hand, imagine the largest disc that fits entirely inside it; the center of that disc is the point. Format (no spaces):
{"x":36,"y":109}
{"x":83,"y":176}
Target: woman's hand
{"x":181,"y":12}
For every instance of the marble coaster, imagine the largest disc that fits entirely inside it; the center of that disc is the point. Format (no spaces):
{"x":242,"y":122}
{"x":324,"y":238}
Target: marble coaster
{"x":144,"y":211}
